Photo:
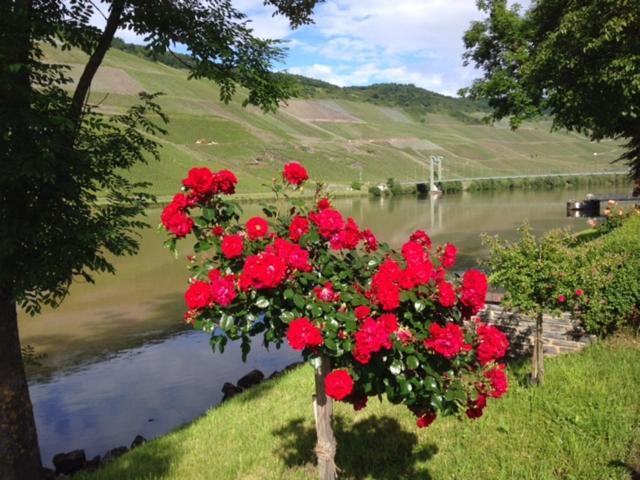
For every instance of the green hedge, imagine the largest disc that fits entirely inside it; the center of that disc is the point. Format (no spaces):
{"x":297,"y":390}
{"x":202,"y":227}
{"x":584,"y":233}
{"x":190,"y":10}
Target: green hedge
{"x":608,"y":269}
{"x":546,"y":183}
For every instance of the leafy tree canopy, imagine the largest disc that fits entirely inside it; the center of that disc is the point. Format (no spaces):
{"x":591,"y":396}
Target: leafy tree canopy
{"x":578,"y":60}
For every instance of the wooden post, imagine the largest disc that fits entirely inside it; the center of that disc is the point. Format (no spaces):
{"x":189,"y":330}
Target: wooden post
{"x":537,"y":367}
{"x":323,"y":409}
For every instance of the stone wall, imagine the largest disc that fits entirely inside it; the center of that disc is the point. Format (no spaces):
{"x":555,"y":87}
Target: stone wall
{"x":560,"y":334}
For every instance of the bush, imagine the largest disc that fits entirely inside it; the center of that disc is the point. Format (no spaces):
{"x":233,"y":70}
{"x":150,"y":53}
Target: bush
{"x":609,"y":270}
{"x":355,"y":185}
{"x":451,"y":187}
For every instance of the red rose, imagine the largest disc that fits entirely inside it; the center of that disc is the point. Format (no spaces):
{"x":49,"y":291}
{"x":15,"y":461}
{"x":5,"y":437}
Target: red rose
{"x":323,"y":204}
{"x":389,"y":322}
{"x":474,"y":290}
{"x":448,"y":258}
{"x":198,"y":295}
{"x":225,"y":182}
{"x":266,"y":270}
{"x":413,"y":253}
{"x":448,"y":341}
{"x":416,"y":274}
{"x":562,"y":298}
{"x":218,"y":230}
{"x":370,"y":338}
{"x":223,"y":289}
{"x":328,"y":221}
{"x":446,"y":295}
{"x":200,"y":181}
{"x":426,"y":419}
{"x":298,"y":228}
{"x":498,"y":380}
{"x":326,"y":293}
{"x":338,"y":384}
{"x":362,"y":312}
{"x":294,"y":255}
{"x":370,"y":241}
{"x":493,"y":343}
{"x":295,"y":174}
{"x":579,"y":292}
{"x":359,"y":403}
{"x":475,"y":408}
{"x":232,"y":246}
{"x":175,"y":221}
{"x":421,"y":237}
{"x":347,"y":238}
{"x":302,"y":334}
{"x":257,"y":227}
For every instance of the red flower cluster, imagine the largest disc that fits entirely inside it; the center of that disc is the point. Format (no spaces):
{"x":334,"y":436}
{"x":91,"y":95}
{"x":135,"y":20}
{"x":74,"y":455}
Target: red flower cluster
{"x":384,"y":285}
{"x":347,"y":238}
{"x":371,"y":338}
{"x":493,"y":343}
{"x":338,"y":384}
{"x":475,"y":408}
{"x":474,"y":290}
{"x":295,"y":174}
{"x":370,"y":241}
{"x":323,"y":204}
{"x":220,"y":291}
{"x":203,"y":182}
{"x":296,"y":257}
{"x":448,"y":341}
{"x":498,"y":380}
{"x":302,"y":334}
{"x":263,"y":271}
{"x":421,"y":237}
{"x":328,"y":221}
{"x":362,"y":312}
{"x":174,"y":216}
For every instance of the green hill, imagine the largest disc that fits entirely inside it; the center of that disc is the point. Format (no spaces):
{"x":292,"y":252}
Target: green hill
{"x":340,"y":134}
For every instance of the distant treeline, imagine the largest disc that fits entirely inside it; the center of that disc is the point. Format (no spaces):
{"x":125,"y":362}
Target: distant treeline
{"x":502,"y":184}
{"x":416,"y":101}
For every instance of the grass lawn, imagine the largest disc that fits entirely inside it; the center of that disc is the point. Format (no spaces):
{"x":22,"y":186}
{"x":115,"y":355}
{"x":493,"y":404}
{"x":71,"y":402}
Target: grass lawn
{"x":583,"y":424}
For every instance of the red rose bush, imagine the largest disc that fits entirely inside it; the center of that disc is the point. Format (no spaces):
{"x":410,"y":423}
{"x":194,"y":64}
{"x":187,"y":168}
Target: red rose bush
{"x":390,"y":323}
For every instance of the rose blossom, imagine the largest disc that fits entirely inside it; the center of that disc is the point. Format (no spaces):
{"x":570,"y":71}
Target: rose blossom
{"x":474,"y":290}
{"x":448,"y":341}
{"x":295,"y":174}
{"x":257,"y":227}
{"x":225,"y":182}
{"x":493,"y":343}
{"x":326,"y":293}
{"x":198,"y":295}
{"x":498,"y":380}
{"x":232,"y":246}
{"x":328,"y":221}
{"x":323,"y":204}
{"x":298,"y":228}
{"x":448,"y":258}
{"x":475,"y":407}
{"x":420,"y":236}
{"x":426,"y":419}
{"x":302,"y":334}
{"x":338,"y":384}
{"x":446,"y":295}
{"x":200,"y":181}
{"x":362,"y":312}
{"x":223,"y":289}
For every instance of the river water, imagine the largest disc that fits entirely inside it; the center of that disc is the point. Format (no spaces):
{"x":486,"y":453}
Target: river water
{"x":118,"y":361}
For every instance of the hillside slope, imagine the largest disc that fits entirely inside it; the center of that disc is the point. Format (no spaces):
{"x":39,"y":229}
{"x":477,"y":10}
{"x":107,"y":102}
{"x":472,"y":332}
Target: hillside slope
{"x":339,"y":139}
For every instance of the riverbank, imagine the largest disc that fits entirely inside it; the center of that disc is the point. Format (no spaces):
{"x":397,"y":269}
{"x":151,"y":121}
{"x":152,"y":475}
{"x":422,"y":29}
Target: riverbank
{"x":582,"y":424}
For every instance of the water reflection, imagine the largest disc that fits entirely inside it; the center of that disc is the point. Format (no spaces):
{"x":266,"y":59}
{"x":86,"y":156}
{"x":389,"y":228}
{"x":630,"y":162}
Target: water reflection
{"x":147,"y":390}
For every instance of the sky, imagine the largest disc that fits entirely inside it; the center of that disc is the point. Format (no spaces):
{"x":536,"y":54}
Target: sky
{"x":361,"y":42}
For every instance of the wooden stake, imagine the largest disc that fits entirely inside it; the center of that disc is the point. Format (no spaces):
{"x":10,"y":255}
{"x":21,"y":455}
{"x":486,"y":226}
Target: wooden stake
{"x":323,"y":409}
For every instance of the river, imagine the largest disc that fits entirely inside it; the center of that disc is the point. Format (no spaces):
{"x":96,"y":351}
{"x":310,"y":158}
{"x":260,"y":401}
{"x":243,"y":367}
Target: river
{"x":118,"y":361}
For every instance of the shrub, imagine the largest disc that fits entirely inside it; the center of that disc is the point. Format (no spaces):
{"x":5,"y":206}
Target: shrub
{"x":355,"y":185}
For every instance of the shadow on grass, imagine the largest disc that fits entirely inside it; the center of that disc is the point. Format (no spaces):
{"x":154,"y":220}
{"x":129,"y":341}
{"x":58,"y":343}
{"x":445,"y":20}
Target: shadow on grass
{"x":376,"y":447}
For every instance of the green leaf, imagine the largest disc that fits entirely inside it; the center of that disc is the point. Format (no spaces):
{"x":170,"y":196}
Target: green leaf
{"x":412,"y":362}
{"x":299,"y":301}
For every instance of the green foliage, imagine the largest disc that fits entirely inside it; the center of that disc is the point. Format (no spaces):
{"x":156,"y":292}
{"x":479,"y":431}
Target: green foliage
{"x":534,"y":272}
{"x":577,"y":61}
{"x":356,"y":185}
{"x":608,"y":270}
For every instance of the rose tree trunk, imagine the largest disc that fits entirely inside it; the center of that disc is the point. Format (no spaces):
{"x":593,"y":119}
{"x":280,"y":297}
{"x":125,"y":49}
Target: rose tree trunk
{"x":537,"y":367}
{"x":323,"y":405}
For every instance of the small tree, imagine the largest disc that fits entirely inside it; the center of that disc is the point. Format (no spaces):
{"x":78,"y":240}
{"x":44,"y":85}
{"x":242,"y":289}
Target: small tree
{"x":536,"y":274}
{"x":372,"y":321}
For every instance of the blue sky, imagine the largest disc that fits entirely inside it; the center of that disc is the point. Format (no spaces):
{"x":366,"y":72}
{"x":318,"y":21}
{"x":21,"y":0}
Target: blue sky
{"x":360,"y":42}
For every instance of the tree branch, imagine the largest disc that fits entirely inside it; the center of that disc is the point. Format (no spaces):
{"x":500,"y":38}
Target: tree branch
{"x":82,"y":89}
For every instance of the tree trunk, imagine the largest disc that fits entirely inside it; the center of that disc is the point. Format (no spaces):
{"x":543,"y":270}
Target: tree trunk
{"x":323,"y":407}
{"x":19,"y":451}
{"x":537,"y":367}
